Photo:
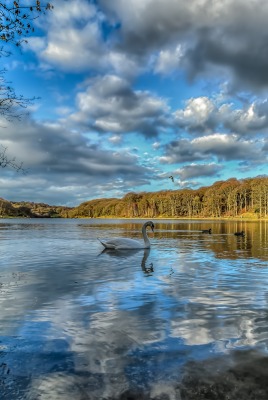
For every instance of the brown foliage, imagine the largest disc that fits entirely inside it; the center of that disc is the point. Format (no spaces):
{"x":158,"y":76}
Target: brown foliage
{"x":222,"y":199}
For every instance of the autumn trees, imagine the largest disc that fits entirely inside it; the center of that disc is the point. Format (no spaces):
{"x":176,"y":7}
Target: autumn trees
{"x":246,"y":198}
{"x":231,"y":198}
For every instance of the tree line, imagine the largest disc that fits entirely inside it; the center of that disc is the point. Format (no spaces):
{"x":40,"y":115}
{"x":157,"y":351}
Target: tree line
{"x":27,"y":209}
{"x":233,"y":198}
{"x":246,"y":198}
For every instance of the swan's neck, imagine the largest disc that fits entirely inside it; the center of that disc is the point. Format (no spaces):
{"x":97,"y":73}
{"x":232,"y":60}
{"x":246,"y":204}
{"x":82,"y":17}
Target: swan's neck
{"x":145,"y":237}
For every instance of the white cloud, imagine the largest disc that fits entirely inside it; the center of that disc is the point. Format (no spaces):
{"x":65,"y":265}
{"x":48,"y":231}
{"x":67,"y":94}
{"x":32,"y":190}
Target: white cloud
{"x":224,"y":33}
{"x":218,"y":146}
{"x":169,"y":60}
{"x":205,"y":115}
{"x":109,"y":104}
{"x":192,"y":36}
{"x":250,"y":119}
{"x":123,"y":64}
{"x":73,"y":41}
{"x":115,"y":139}
{"x":195,"y":170}
{"x":56,"y":157}
{"x":197,"y":113}
{"x":74,"y":49}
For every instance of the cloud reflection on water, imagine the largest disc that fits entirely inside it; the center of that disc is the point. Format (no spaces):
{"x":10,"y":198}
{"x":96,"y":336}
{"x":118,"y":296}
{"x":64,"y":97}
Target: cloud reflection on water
{"x":101,"y":327}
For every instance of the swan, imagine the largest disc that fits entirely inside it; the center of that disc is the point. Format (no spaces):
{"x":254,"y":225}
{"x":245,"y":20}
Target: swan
{"x":207,"y":230}
{"x":242,"y":233}
{"x":126,"y":243}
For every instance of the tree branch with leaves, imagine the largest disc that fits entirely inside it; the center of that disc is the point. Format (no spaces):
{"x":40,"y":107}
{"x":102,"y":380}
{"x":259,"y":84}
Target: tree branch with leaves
{"x":16,"y":23}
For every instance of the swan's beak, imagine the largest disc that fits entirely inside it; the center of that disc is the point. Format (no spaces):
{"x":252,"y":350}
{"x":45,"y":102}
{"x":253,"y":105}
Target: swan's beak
{"x":152,"y":227}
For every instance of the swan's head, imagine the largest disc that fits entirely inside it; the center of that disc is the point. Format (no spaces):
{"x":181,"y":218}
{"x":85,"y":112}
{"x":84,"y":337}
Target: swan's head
{"x":151,"y":224}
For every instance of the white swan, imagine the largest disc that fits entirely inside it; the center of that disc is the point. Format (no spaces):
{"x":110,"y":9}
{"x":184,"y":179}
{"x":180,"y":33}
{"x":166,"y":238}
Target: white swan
{"x":126,"y":243}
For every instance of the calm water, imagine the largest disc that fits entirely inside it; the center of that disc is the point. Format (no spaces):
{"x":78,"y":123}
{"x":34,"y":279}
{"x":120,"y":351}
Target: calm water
{"x":78,"y":323}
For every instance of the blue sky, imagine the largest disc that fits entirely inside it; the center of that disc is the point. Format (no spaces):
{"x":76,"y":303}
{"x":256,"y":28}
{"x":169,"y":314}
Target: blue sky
{"x":132,"y":92}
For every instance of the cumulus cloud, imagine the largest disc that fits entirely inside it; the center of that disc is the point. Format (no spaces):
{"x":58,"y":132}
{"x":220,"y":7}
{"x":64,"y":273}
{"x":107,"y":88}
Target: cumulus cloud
{"x":169,"y":60}
{"x":148,"y":25}
{"x":252,"y":119}
{"x":197,"y":37}
{"x":110,"y":105}
{"x":203,"y":115}
{"x":197,"y":170}
{"x":221,"y":147}
{"x":185,"y":176}
{"x":198,"y":115}
{"x":225,"y":33}
{"x":74,"y":40}
{"x":64,"y":161}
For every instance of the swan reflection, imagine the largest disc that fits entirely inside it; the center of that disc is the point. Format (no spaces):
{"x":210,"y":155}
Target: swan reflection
{"x":147,"y":269}
{"x":127,"y":253}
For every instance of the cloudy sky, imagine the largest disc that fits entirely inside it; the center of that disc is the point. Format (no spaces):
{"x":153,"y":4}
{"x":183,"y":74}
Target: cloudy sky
{"x":131,"y":92}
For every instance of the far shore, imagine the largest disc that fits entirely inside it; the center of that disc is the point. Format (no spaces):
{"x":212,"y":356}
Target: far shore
{"x":182,"y":218}
{"x":240,"y":219}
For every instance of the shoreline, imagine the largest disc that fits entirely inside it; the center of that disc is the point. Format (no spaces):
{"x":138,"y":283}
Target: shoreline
{"x":237,"y":219}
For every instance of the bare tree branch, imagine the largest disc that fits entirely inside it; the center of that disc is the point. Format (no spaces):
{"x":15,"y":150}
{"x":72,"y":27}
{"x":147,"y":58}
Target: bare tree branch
{"x":6,"y":161}
{"x":11,"y":104}
{"x":15,"y":24}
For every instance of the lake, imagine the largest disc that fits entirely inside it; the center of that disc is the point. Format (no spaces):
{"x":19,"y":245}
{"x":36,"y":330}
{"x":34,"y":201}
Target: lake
{"x":185,"y":320}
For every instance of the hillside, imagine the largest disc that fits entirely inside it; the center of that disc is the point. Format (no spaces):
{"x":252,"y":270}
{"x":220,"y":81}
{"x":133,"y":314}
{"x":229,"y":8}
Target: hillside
{"x":31,"y":210}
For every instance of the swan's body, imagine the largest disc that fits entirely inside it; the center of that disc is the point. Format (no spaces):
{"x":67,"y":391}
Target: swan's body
{"x":242,"y":233}
{"x":126,"y":243}
{"x":207,"y":230}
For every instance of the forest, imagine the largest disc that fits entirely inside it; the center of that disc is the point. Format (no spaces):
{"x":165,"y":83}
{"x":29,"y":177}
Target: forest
{"x":246,"y":198}
{"x":233,"y":198}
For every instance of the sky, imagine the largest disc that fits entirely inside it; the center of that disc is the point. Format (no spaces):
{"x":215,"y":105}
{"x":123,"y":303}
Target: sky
{"x":132,"y":92}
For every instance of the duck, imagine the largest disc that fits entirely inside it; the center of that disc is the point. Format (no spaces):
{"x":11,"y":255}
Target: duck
{"x":207,"y":230}
{"x":242,"y":233}
{"x":127,"y":243}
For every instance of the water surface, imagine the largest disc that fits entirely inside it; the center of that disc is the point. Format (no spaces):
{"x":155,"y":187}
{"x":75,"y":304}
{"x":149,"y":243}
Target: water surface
{"x":77,"y":322}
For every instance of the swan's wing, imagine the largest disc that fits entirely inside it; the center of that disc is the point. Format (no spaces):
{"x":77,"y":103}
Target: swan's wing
{"x":107,"y":243}
{"x":121,"y":243}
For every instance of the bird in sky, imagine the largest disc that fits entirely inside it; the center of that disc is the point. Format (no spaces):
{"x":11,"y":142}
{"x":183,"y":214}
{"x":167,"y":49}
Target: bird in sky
{"x":171,"y":177}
